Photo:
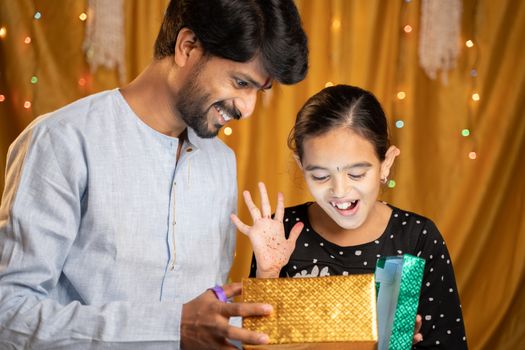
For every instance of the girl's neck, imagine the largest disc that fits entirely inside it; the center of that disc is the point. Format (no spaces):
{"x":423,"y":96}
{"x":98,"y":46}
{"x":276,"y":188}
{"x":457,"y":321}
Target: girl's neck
{"x":370,"y":230}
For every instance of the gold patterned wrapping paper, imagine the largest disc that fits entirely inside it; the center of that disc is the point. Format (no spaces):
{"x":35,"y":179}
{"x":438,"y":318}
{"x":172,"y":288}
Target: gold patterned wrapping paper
{"x":333,"y":312}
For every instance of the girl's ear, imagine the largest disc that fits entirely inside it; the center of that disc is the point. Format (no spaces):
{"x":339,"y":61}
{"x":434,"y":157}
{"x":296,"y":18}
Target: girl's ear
{"x":390,"y":156}
{"x":186,"y":43}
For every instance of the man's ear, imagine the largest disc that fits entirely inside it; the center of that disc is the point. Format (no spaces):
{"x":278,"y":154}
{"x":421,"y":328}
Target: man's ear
{"x":390,"y":156}
{"x":186,"y":45}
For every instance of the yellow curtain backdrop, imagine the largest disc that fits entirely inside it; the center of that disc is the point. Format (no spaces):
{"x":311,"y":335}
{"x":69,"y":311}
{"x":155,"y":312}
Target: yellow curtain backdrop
{"x":477,"y":204}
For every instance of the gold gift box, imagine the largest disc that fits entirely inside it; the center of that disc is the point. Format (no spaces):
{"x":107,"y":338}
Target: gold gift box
{"x":333,"y":312}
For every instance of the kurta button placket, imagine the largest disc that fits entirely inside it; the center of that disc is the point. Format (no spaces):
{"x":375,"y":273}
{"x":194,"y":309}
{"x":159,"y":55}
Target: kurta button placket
{"x":172,"y":267}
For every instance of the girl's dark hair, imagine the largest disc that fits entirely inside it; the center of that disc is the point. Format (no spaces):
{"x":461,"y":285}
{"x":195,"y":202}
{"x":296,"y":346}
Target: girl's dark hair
{"x":341,"y":106}
{"x":239,"y":30}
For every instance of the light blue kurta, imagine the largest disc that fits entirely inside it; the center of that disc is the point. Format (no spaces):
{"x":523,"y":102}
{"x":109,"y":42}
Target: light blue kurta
{"x":102,"y":238}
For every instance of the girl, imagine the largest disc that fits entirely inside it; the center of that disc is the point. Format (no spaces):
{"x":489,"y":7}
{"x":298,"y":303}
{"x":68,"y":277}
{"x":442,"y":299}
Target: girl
{"x":340,"y":141}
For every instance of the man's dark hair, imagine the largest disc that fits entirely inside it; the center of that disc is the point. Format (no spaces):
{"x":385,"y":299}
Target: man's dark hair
{"x":239,"y":30}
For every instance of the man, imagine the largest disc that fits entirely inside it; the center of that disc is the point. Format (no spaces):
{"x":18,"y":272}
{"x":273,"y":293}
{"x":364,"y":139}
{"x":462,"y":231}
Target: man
{"x":115,"y":216}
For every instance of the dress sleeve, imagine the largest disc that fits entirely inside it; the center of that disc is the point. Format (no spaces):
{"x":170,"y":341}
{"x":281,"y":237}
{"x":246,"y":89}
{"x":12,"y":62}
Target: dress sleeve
{"x":39,"y":220}
{"x":439,"y":304}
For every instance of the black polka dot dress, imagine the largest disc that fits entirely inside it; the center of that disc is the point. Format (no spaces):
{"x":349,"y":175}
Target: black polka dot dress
{"x":406,"y":232}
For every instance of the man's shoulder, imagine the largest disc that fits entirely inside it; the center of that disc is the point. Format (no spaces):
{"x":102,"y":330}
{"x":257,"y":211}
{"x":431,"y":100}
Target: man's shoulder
{"x":69,"y":121}
{"x":77,"y":111}
{"x":77,"y":115}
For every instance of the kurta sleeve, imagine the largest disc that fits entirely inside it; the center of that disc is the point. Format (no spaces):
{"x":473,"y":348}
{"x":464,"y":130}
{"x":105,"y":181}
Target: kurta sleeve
{"x":39,"y":220}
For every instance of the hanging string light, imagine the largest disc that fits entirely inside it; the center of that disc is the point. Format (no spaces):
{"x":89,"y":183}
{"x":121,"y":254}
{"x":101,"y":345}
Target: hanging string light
{"x":228,"y":131}
{"x":474,"y":96}
{"x":3,"y":35}
{"x":30,"y":100}
{"x":401,"y":96}
{"x":37,"y":16}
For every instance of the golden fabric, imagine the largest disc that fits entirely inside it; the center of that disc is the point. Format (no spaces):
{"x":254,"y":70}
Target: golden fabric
{"x":478,"y":204}
{"x":312,"y":311}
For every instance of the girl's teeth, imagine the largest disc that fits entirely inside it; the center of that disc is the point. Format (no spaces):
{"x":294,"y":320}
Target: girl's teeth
{"x":343,"y":206}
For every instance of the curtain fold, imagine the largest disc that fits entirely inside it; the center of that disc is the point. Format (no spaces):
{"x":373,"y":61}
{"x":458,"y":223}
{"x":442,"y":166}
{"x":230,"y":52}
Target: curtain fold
{"x":478,"y":204}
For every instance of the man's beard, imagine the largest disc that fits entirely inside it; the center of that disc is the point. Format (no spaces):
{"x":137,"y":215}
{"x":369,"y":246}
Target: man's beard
{"x":191,"y":106}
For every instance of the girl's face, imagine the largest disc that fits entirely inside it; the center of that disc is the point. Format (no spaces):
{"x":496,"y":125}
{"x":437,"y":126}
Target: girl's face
{"x":343,"y":174}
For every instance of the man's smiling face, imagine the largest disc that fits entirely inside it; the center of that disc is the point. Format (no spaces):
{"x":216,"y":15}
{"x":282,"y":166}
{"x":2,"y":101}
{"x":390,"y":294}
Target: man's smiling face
{"x":218,"y":90}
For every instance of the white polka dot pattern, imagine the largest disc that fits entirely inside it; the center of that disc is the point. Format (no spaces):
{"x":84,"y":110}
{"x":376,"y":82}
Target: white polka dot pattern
{"x":406,"y":233}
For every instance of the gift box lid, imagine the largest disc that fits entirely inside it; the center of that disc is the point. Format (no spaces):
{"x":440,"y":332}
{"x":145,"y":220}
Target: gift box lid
{"x":331,"y":309}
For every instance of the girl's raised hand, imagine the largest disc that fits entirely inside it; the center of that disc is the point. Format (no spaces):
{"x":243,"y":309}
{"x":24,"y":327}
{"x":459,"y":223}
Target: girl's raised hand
{"x":271,"y":248}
